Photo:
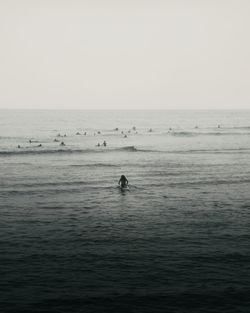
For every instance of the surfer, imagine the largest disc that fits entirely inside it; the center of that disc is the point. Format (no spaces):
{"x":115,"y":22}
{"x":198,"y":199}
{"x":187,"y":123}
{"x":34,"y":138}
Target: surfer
{"x":123,"y":182}
{"x":104,"y":143}
{"x":62,"y":144}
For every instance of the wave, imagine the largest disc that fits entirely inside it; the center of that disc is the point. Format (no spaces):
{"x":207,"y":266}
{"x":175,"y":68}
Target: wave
{"x":238,"y":127}
{"x":127,"y":148}
{"x":51,"y":184}
{"x":193,"y":134}
{"x":94,"y":165}
{"x":238,"y":150}
{"x":68,"y":151}
{"x":211,"y":182}
{"x":121,"y":149}
{"x":31,"y":152}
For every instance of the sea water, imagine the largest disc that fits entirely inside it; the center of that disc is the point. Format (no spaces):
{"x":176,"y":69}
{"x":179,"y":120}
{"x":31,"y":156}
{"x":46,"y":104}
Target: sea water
{"x":177,"y":241}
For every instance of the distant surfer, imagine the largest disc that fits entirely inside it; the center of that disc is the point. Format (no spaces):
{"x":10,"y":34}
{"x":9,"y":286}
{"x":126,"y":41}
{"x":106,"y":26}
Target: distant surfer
{"x":104,"y":143}
{"x":123,"y":182}
{"x":62,"y":144}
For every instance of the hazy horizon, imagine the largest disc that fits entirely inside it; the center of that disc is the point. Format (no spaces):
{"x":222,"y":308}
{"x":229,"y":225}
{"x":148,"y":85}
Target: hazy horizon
{"x":124,"y":55}
{"x":122,"y":109}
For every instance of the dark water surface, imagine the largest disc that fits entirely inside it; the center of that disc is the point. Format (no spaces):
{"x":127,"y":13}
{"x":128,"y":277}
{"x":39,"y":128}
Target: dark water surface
{"x":177,"y":241}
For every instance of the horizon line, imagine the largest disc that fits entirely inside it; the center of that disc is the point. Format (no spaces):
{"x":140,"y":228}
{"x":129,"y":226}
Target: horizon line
{"x":123,"y":109}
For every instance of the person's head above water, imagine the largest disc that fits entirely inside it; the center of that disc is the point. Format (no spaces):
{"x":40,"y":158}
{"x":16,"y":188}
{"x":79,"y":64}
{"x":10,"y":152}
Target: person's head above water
{"x":123,"y":178}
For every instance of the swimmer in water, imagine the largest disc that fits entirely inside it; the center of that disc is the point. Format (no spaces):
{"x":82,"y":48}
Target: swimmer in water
{"x":62,"y":144}
{"x":123,"y":182}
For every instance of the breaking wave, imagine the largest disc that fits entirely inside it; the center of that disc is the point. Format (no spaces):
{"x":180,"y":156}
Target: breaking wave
{"x":67,"y":151}
{"x":122,"y":149}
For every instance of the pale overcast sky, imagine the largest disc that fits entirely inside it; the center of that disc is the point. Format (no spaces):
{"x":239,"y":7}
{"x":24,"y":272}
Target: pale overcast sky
{"x":125,"y":54}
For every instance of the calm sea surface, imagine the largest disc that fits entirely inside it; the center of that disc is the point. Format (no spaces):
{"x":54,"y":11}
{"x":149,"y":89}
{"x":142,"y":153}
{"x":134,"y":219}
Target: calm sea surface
{"x":177,"y":241}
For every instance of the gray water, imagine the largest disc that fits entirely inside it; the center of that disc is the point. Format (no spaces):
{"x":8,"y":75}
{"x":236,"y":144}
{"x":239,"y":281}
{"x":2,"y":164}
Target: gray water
{"x":176,"y":241}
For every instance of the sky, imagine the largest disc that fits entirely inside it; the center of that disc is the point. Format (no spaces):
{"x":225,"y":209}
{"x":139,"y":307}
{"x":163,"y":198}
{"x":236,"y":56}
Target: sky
{"x":125,"y":54}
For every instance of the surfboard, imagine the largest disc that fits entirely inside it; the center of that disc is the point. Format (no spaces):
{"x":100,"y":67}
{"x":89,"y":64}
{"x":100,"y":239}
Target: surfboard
{"x":125,"y":188}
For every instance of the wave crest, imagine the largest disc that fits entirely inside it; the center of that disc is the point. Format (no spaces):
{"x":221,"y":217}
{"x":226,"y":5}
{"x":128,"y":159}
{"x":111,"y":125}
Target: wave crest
{"x":65,"y":151}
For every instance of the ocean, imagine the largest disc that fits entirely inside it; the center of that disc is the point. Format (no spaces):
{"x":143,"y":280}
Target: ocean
{"x":177,"y":241}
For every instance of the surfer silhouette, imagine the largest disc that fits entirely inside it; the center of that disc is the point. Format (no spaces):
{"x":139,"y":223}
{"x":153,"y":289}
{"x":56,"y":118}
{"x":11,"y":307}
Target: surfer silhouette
{"x":123,"y":182}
